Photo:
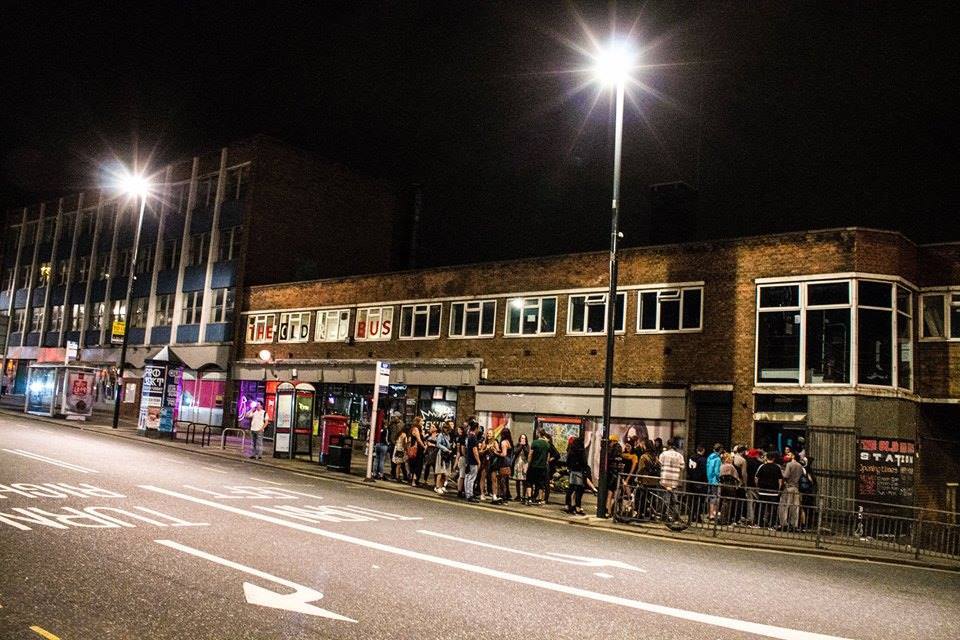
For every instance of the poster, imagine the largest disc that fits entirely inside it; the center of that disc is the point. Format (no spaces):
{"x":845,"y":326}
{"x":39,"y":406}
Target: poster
{"x":626,"y":429}
{"x":885,"y":469}
{"x":560,"y":430}
{"x":151,"y":396}
{"x":171,"y":391}
{"x":284,"y":425}
{"x":78,"y":393}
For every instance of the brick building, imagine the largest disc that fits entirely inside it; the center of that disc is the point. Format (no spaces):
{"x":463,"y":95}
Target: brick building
{"x":849,"y":338}
{"x":254,"y":212}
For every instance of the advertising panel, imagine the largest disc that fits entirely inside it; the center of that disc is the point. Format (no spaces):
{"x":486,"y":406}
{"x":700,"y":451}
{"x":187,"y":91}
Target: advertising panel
{"x":152,"y":396}
{"x":78,"y":393}
{"x":40,"y":390}
{"x":885,"y":470}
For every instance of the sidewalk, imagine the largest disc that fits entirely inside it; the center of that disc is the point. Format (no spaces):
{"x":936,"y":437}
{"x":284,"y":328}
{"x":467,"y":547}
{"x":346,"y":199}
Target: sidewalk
{"x":551,"y":512}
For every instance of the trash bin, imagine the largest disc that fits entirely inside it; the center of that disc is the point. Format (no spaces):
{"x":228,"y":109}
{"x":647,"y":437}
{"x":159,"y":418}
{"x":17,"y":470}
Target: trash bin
{"x":339,"y":452}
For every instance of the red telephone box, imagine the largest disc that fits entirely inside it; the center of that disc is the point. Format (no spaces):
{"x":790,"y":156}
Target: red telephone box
{"x":331,"y":426}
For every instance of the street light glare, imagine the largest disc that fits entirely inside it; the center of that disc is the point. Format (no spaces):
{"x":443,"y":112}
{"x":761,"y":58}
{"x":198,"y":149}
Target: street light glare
{"x":135,"y":185}
{"x":613,"y":64}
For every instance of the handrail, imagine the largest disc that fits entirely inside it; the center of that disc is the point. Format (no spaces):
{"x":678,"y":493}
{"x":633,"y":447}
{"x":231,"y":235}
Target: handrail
{"x":189,"y":433}
{"x":243,"y":438}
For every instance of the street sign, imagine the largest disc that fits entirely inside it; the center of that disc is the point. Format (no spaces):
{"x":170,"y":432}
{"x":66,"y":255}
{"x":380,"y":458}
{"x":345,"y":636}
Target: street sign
{"x":72,"y":350}
{"x":119,"y":328}
{"x":381,"y":381}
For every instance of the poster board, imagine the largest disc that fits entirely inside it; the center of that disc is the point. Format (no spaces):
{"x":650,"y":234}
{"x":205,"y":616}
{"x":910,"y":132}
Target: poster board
{"x":78,"y":393}
{"x":885,"y":468}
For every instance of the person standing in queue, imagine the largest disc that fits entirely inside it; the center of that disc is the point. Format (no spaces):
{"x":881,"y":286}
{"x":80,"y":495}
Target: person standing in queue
{"x":577,"y":466}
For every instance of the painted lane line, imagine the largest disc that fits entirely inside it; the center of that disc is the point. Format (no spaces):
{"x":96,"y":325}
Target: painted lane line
{"x":172,"y":460}
{"x":215,"y":470}
{"x":40,"y":631}
{"x":555,"y":557}
{"x":279,"y":484}
{"x":756,"y":628}
{"x":297,"y":601}
{"x":53,"y":461}
{"x":600,"y":574}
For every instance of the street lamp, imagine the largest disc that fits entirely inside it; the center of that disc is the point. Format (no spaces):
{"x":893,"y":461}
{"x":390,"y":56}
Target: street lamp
{"x":612,"y":67}
{"x":133,"y":185}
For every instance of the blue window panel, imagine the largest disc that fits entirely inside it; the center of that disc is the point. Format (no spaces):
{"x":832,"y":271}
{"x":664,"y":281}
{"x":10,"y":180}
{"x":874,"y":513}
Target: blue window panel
{"x":14,"y":339}
{"x":223,"y":275}
{"x":38,"y":295}
{"x":188,"y":333}
{"x":160,"y":335}
{"x":231,"y":213}
{"x":4,"y":299}
{"x":167,"y":281}
{"x":92,"y":338}
{"x":141,"y":286}
{"x":219,"y":332}
{"x":20,"y":299}
{"x":56,"y":295}
{"x":10,"y":259}
{"x":71,"y":336}
{"x":193,"y":277}
{"x":137,"y":335}
{"x":98,"y":291}
{"x":77,"y":293}
{"x":51,"y":338}
{"x":33,"y":340}
{"x":202,"y":220}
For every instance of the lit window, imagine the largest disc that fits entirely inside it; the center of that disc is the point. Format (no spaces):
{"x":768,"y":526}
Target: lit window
{"x":587,"y":313}
{"x":374,"y":323}
{"x":531,"y":316}
{"x":56,"y":317}
{"x":294,"y":327}
{"x":76,"y":317}
{"x":420,"y":321}
{"x":139,"y":306}
{"x":97,"y":311}
{"x":260,"y":328}
{"x":473,"y":319}
{"x":36,"y":319}
{"x":333,"y":325}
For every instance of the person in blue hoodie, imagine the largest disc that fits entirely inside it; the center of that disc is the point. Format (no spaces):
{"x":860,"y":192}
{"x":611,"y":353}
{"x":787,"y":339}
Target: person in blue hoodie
{"x":713,"y":478}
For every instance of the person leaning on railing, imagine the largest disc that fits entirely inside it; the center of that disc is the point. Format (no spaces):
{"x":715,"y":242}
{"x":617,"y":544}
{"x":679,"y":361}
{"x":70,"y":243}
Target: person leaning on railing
{"x":671,"y":468}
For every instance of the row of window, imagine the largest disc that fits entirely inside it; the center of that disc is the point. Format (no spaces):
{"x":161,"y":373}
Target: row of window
{"x":227,"y":249}
{"x":72,"y":318}
{"x":835,"y":333}
{"x":660,"y":311}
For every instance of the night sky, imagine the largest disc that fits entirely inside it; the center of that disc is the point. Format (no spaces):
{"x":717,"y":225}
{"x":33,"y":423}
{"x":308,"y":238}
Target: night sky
{"x":783,"y":115}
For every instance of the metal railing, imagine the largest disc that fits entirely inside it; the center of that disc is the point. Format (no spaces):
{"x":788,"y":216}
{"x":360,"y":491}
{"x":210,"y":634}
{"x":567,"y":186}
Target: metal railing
{"x":243,"y":437}
{"x":788,"y":516}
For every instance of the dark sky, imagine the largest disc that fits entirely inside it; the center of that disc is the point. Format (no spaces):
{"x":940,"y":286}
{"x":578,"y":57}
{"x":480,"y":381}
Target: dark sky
{"x":784,"y":115}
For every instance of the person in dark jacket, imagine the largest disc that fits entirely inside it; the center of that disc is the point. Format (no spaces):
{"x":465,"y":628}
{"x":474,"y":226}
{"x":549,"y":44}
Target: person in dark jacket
{"x":697,"y":482}
{"x":577,"y":465}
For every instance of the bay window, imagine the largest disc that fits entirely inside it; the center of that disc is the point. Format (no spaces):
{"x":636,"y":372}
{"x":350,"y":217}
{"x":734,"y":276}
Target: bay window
{"x":941,"y":316}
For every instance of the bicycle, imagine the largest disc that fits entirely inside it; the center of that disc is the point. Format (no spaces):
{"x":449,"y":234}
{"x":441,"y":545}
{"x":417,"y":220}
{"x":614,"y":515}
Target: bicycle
{"x":660,"y":504}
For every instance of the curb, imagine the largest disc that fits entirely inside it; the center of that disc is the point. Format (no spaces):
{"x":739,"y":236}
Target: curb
{"x":591,"y":522}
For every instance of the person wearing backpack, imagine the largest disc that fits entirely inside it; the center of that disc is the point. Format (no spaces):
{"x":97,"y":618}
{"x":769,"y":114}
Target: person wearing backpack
{"x":713,"y":478}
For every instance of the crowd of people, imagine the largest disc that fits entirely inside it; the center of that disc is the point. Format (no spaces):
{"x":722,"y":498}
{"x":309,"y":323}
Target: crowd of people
{"x":746,"y":486}
{"x":479,"y":464}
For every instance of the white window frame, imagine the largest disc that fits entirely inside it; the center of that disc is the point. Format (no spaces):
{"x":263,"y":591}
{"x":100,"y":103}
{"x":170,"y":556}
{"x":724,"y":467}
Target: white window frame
{"x":665,"y":292}
{"x":192,"y":307}
{"x":139,"y":308}
{"x":297,"y":319}
{"x":56,"y":318}
{"x":163,"y":310}
{"x":529,"y":303}
{"x":323,"y":321}
{"x":228,"y":240}
{"x":200,"y":256}
{"x":97,"y":312}
{"x":19,"y":322}
{"x":472,"y":306}
{"x":223,"y":305}
{"x":947,"y":304}
{"x":36,"y":319}
{"x":383,"y":314}
{"x":425,"y":309}
{"x":77,"y":316}
{"x":261,"y":323}
{"x":593,"y":299}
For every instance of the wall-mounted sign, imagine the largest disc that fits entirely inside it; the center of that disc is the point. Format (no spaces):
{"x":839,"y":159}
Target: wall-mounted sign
{"x":260,"y":328}
{"x":885,"y":469}
{"x":117,"y":330}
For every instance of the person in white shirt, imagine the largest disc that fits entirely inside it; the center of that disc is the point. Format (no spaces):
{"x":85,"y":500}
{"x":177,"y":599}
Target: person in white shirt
{"x":258,"y":422}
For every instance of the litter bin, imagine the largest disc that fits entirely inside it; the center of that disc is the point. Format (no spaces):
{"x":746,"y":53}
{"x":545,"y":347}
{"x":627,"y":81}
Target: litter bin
{"x":339,"y":452}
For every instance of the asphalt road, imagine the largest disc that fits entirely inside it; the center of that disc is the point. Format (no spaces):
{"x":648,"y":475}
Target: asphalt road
{"x":103,"y":537}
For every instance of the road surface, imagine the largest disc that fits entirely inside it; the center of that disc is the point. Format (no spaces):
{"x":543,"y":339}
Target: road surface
{"x":103,"y":537}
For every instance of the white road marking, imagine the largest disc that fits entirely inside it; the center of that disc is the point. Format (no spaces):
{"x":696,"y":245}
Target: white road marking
{"x":53,"y":461}
{"x":297,"y":601}
{"x":600,"y":574}
{"x":555,"y":557}
{"x":267,"y":481}
{"x":213,"y":469}
{"x":756,"y":628}
{"x":172,"y":460}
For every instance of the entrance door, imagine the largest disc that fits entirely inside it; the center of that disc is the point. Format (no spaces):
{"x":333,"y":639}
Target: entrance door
{"x":833,"y":454}
{"x":776,"y":436}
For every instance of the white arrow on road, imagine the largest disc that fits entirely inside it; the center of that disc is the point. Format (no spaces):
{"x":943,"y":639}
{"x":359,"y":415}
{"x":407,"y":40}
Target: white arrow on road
{"x":550,"y":555}
{"x":297,"y":601}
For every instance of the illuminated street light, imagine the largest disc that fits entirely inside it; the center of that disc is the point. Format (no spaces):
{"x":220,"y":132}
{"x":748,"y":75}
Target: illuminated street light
{"x":133,"y":185}
{"x":612,"y":66}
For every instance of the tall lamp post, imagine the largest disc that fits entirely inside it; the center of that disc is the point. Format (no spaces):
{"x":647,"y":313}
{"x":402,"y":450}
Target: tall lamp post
{"x":135,"y":186}
{"x":612,"y":68}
